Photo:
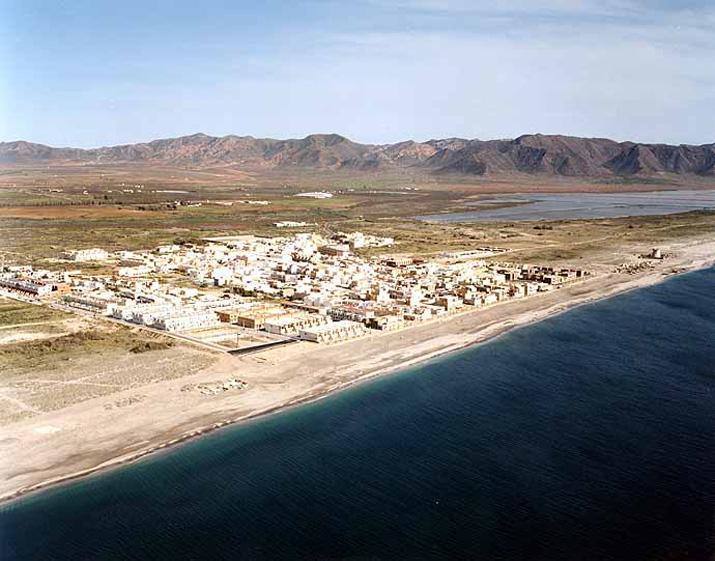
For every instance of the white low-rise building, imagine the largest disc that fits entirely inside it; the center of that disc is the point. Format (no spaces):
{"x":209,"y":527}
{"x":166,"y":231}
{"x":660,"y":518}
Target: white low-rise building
{"x":136,"y":271}
{"x":316,"y":195}
{"x":292,"y":324}
{"x":333,"y":332}
{"x":29,"y":287}
{"x":102,"y":303}
{"x":93,"y":254}
{"x":194,"y":320}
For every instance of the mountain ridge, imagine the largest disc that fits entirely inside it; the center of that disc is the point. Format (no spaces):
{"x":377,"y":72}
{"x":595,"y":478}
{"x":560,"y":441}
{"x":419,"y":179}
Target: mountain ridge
{"x":532,"y":154}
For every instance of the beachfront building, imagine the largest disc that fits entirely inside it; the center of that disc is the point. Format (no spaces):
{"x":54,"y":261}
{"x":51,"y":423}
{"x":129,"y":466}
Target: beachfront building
{"x":291,"y":324}
{"x":388,"y":322}
{"x":450,"y":302}
{"x":333,"y":332}
{"x":253,"y":317}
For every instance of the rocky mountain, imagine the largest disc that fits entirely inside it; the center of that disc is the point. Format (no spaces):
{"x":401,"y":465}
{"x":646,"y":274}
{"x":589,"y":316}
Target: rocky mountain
{"x":527,"y":154}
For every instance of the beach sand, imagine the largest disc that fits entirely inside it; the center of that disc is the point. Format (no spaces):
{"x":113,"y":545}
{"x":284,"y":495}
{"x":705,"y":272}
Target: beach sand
{"x":90,"y":436}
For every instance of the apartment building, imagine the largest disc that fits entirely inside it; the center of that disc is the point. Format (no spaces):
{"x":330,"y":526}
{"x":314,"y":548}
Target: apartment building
{"x":291,"y":324}
{"x":333,"y":332}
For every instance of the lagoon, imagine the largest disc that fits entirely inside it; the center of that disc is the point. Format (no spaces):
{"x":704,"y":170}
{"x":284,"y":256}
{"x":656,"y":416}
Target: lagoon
{"x":573,"y":206}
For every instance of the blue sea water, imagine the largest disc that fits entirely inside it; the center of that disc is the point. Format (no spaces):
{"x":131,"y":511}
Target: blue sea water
{"x":588,"y":436}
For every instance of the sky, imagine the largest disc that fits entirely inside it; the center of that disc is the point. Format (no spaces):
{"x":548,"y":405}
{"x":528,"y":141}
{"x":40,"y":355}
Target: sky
{"x":90,"y":73}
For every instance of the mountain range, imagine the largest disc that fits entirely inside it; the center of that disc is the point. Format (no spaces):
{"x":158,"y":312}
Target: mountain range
{"x":528,"y":154}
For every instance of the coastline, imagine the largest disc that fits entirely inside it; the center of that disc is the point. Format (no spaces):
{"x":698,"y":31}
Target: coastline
{"x":307,"y":374}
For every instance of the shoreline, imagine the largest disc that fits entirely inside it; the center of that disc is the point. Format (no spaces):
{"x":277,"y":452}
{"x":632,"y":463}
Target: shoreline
{"x":533,"y":313}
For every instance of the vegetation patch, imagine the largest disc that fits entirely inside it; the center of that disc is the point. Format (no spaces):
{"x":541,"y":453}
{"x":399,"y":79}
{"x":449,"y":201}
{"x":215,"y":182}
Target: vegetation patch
{"x":151,"y":346}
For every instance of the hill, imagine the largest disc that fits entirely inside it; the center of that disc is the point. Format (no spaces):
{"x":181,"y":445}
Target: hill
{"x":532,"y":154}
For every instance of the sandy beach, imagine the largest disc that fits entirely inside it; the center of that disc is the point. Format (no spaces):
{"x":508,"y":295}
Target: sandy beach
{"x":89,"y":436}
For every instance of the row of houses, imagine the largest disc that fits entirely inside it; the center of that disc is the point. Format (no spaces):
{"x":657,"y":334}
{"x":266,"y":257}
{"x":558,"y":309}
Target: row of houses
{"x":333,"y":332}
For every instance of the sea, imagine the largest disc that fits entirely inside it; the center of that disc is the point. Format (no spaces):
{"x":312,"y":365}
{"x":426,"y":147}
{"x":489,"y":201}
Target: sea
{"x":587,"y":436}
{"x":572,"y":206}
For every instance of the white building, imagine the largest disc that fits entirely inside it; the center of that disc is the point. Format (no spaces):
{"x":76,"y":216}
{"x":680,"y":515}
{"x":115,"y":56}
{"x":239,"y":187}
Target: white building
{"x":221,"y":275}
{"x":99,"y":303}
{"x":94,"y":254}
{"x":136,"y":271}
{"x":316,"y":195}
{"x":294,"y":323}
{"x":27,"y":286}
{"x":193,"y":320}
{"x":333,"y":332}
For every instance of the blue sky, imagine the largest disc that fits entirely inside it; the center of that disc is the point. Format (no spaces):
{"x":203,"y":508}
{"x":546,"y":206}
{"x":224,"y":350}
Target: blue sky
{"x":98,"y":72}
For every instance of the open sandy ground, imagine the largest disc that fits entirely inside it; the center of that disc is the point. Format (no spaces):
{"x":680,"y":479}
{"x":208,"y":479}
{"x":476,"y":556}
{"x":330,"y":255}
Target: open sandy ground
{"x":106,"y":431}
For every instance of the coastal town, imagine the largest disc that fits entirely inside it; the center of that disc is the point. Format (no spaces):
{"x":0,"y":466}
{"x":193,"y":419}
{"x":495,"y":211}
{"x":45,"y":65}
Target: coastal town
{"x":246,"y":292}
{"x":410,"y":280}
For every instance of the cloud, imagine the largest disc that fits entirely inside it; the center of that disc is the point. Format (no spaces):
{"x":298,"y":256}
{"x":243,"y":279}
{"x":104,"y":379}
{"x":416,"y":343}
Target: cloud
{"x":481,"y":75}
{"x":380,"y":71}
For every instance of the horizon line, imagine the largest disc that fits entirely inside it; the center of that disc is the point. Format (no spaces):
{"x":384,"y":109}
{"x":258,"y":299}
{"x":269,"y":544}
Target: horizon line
{"x":433,"y":138}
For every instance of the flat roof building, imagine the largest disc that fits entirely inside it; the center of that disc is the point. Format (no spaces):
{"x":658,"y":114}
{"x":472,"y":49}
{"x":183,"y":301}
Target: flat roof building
{"x":253,"y":318}
{"x":292,"y":324}
{"x":333,"y":332}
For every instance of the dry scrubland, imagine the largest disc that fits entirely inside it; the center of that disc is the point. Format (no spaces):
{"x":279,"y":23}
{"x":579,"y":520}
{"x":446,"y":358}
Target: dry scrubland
{"x":50,"y":370}
{"x":558,"y":242}
{"x":14,"y":313}
{"x":36,"y":223}
{"x":27,"y":322}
